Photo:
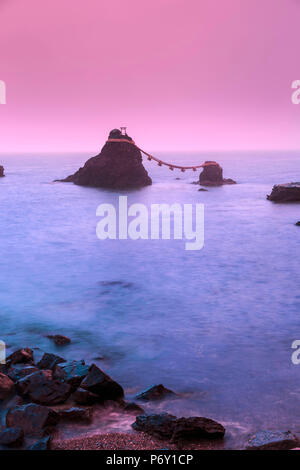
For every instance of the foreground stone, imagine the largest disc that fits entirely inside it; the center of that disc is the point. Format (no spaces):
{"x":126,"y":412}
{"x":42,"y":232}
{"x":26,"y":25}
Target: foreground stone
{"x":166,"y":426}
{"x":20,"y":356}
{"x":101,"y":384}
{"x":12,"y":437}
{"x":42,"y":388}
{"x":158,"y":425}
{"x":49,"y":361}
{"x":19,"y":371}
{"x":118,"y":166}
{"x":41,"y":444}
{"x":32,"y":419}
{"x":133,"y":408}
{"x":212,"y":175}
{"x":156,"y":392}
{"x":272,"y":440}
{"x":1,"y":171}
{"x":6,"y":386}
{"x":289,"y":192}
{"x":76,"y":414}
{"x":72,"y":372}
{"x":84,"y":397}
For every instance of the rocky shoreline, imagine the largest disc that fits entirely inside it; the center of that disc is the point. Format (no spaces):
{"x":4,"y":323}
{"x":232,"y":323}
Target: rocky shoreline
{"x":37,"y":398}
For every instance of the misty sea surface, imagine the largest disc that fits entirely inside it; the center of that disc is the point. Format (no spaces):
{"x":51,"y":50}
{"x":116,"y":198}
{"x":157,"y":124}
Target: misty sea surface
{"x":215,"y":325}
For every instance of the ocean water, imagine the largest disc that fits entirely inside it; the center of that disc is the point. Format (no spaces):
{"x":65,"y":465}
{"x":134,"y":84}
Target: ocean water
{"x":215,"y":325}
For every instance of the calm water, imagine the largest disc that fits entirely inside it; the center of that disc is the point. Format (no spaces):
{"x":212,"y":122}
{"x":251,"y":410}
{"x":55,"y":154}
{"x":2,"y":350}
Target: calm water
{"x":214,"y":325}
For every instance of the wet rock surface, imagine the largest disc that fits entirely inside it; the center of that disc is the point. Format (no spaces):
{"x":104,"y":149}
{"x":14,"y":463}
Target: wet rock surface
{"x":72,"y":373}
{"x":101,"y":384}
{"x":272,"y":440}
{"x":24,"y":356}
{"x":59,"y":340}
{"x":12,"y":437}
{"x":166,"y":426}
{"x":33,"y":419}
{"x":84,"y":397}
{"x":49,"y":361}
{"x":118,"y":166}
{"x":155,"y":392}
{"x":41,"y":444}
{"x":212,"y":175}
{"x":289,"y":192}
{"x":6,"y":386}
{"x":76,"y":414}
{"x":40,"y":387}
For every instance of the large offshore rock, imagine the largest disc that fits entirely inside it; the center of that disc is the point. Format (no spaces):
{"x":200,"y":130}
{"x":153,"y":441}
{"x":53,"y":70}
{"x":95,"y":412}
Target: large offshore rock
{"x":212,"y":175}
{"x":1,"y":171}
{"x":118,"y":166}
{"x":289,"y":192}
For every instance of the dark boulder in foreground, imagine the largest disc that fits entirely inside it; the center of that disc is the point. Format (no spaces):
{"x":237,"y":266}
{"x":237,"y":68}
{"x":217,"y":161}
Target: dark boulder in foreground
{"x":1,"y":171}
{"x":42,"y":388}
{"x":118,"y":166}
{"x":272,"y":440}
{"x":41,"y":444}
{"x":33,"y":419}
{"x":21,"y":356}
{"x":289,"y":192}
{"x":166,"y":426}
{"x":49,"y":361}
{"x":156,"y":392}
{"x":72,"y":373}
{"x":6,"y":386}
{"x":212,"y":175}
{"x":101,"y":384}
{"x":76,"y":414}
{"x":12,"y":437}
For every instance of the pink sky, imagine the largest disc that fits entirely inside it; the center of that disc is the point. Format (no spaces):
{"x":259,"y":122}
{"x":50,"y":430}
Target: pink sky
{"x":181,"y":74}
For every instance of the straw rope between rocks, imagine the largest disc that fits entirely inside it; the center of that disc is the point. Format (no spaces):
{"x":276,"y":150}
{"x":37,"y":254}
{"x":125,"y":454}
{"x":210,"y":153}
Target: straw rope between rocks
{"x":161,"y":162}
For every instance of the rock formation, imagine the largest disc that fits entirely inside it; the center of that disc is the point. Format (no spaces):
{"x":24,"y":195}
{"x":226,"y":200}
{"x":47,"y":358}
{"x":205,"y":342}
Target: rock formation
{"x":1,"y":171}
{"x":289,"y":192}
{"x":118,"y":166}
{"x":212,"y":175}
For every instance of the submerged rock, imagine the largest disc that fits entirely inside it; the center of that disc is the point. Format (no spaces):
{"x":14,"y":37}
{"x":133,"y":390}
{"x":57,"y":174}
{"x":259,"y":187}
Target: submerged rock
{"x":155,"y":392}
{"x":42,"y":388}
{"x":272,"y":440}
{"x":212,"y":175}
{"x":32,"y":419}
{"x":12,"y":437}
{"x":166,"y":426}
{"x":289,"y":192}
{"x":101,"y":384}
{"x":1,"y":171}
{"x":18,"y":371}
{"x":297,"y":224}
{"x":118,"y":166}
{"x":59,"y":340}
{"x":6,"y":386}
